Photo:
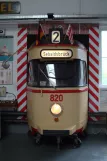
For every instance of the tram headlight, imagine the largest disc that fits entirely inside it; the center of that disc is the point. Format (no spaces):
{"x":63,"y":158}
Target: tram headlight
{"x":56,"y":109}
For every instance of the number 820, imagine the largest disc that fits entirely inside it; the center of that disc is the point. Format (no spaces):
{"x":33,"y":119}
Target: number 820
{"x":56,"y":97}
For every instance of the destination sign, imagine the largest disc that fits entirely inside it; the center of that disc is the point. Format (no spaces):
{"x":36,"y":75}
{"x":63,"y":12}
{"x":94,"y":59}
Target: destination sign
{"x":56,"y":53}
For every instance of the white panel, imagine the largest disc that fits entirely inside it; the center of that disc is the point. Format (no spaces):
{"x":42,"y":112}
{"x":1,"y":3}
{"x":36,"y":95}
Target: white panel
{"x":36,"y":7}
{"x":49,"y":6}
{"x":103,"y":100}
{"x":94,"y":6}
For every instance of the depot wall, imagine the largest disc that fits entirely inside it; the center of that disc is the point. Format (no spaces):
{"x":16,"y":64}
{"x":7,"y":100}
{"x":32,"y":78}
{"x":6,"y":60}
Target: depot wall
{"x":35,"y":7}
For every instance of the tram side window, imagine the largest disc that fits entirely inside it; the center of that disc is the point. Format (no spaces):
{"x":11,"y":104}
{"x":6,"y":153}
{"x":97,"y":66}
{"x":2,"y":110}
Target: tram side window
{"x":83,"y":73}
{"x":32,"y":74}
{"x":60,"y":74}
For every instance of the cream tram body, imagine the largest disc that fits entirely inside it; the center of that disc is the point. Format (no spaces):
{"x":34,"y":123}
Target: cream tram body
{"x":72,"y":100}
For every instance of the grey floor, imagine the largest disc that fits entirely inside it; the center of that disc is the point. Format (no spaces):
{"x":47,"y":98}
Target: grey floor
{"x":19,"y":147}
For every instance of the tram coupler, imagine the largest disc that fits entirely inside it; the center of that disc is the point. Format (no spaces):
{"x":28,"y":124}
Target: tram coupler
{"x":76,"y":141}
{"x":37,"y":138}
{"x":58,"y":142}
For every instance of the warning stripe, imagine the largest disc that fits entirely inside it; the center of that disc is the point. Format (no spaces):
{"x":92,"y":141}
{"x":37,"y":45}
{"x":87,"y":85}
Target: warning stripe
{"x":21,"y":93}
{"x":24,"y":109}
{"x":94,"y":58}
{"x":93,"y":70}
{"x":21,"y":97}
{"x":23,"y":100}
{"x":22,"y":69}
{"x":22,"y":48}
{"x":23,"y":38}
{"x":94,"y":45}
{"x":94,"y":77}
{"x":21,"y":84}
{"x":21,"y":57}
{"x":95,"y":55}
{"x":93,"y":99}
{"x":95,"y":51}
{"x":92,"y":89}
{"x":22,"y":106}
{"x":93,"y":95}
{"x":21,"y":75}
{"x":93,"y":67}
{"x":22,"y":65}
{"x":93,"y":104}
{"x":93,"y":62}
{"x":22,"y":61}
{"x":93,"y":85}
{"x":21,"y":31}
{"x":94,"y":37}
{"x":92,"y":109}
{"x":95,"y":30}
{"x":95,"y":41}
{"x":22,"y":44}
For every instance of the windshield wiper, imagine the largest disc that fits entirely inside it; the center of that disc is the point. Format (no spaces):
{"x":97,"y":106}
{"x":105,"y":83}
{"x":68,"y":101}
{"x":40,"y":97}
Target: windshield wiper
{"x":63,"y":78}
{"x":46,"y":77}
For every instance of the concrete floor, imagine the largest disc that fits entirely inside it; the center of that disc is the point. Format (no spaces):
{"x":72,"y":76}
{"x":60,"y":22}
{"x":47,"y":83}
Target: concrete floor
{"x":19,"y":147}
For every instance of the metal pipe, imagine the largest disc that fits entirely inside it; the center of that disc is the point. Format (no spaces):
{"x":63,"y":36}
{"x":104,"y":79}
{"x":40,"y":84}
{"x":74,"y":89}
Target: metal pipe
{"x":11,"y":117}
{"x":80,"y":16}
{"x":101,"y":114}
{"x":10,"y":113}
{"x":97,"y":122}
{"x":40,"y":17}
{"x":15,"y":121}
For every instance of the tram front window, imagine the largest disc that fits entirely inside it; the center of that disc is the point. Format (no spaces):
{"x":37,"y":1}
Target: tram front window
{"x":57,"y":73}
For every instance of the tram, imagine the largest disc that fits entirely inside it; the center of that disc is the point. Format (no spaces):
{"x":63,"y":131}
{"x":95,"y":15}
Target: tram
{"x":57,"y":91}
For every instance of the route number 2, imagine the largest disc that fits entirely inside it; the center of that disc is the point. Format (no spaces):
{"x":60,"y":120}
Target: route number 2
{"x":56,"y":97}
{"x":55,"y":37}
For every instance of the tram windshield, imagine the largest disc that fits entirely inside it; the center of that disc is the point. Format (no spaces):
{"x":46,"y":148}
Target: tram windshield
{"x":57,"y":73}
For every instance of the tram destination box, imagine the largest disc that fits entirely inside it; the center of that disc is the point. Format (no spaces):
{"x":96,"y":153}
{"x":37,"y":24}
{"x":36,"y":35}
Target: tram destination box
{"x":56,"y":36}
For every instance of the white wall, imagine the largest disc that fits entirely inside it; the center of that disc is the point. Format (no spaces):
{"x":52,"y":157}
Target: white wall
{"x":103,"y":100}
{"x":35,"y":7}
{"x":12,"y":31}
{"x":103,"y":89}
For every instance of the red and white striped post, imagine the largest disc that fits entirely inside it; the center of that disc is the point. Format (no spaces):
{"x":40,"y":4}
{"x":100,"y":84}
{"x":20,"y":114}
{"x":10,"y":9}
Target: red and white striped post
{"x":22,"y":69}
{"x":94,"y":69}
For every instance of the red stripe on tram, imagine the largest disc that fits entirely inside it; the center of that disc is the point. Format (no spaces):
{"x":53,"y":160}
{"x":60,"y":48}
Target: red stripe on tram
{"x":57,"y":91}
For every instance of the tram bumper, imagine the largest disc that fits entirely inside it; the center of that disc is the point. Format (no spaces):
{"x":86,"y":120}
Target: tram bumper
{"x":56,"y":132}
{"x":49,"y":131}
{"x":66,"y":132}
